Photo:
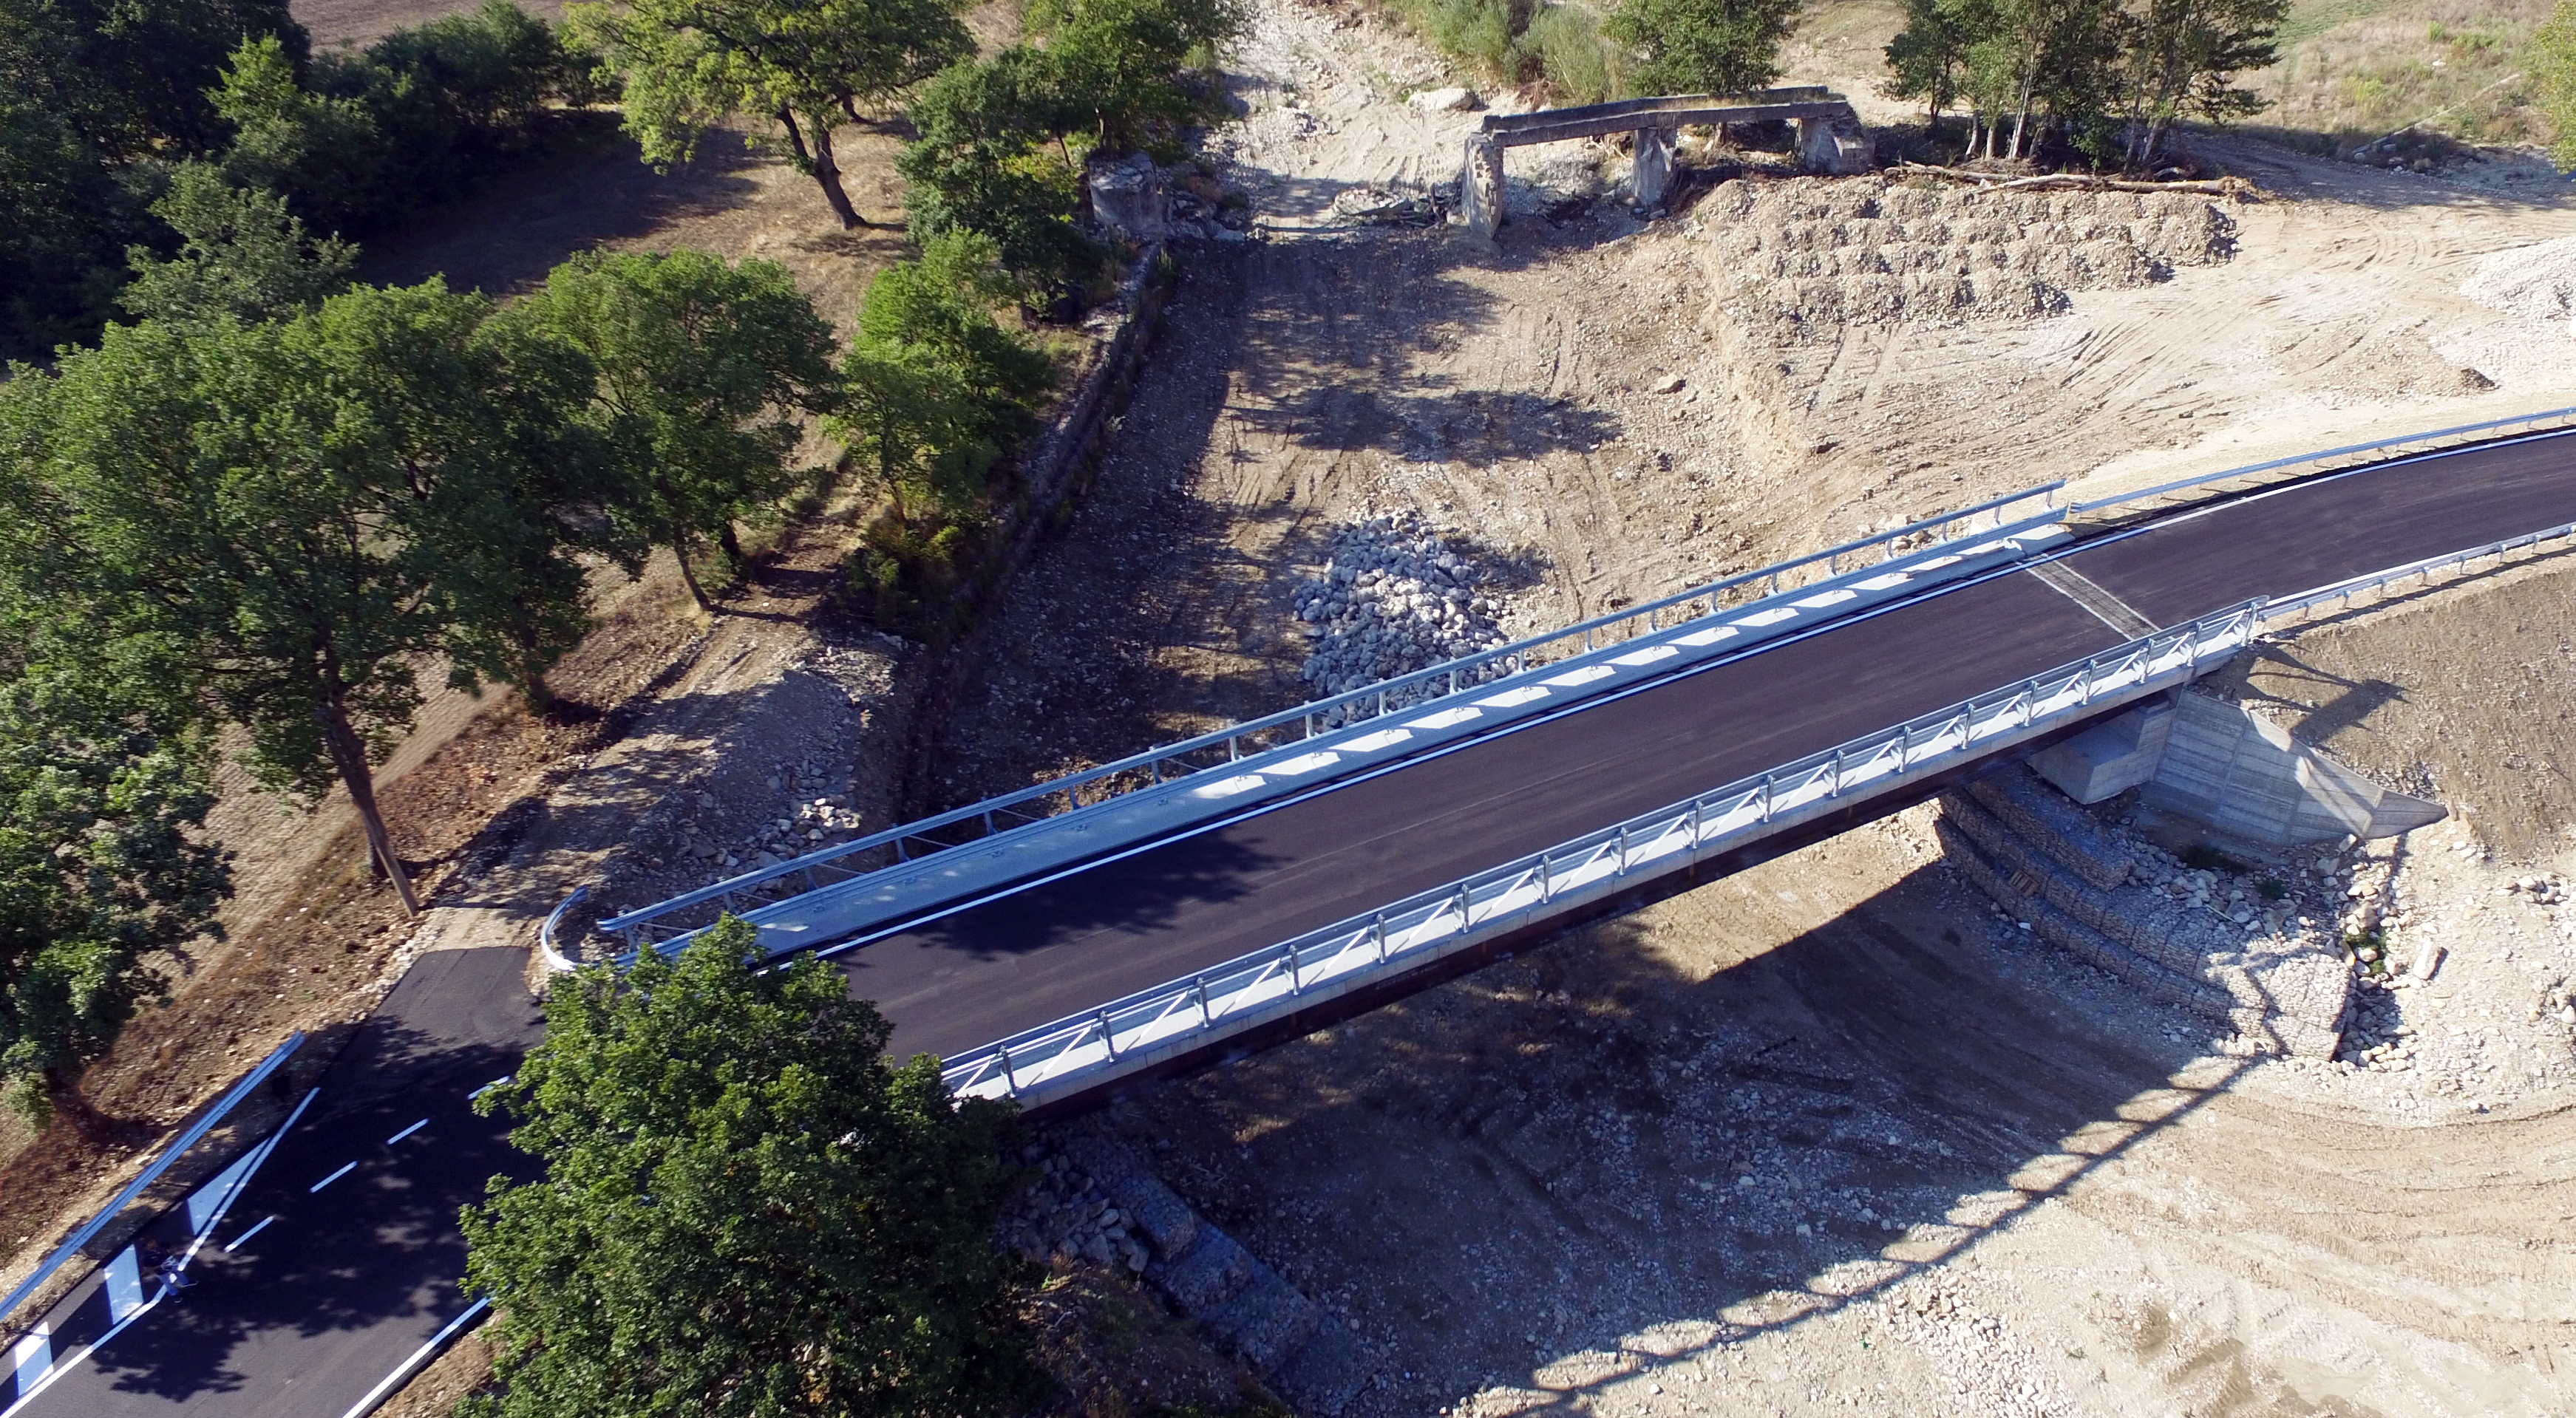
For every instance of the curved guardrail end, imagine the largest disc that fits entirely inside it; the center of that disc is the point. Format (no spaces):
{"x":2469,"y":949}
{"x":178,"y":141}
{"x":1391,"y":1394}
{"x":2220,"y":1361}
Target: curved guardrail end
{"x":558,"y":963}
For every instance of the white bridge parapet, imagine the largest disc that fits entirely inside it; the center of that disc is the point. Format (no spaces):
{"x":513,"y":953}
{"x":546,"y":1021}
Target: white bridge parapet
{"x":1189,"y":1017}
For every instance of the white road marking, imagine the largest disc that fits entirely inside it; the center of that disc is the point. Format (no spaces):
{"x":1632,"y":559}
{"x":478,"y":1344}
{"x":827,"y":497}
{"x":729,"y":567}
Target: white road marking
{"x":486,"y":1088}
{"x":345,"y":1169}
{"x":237,"y":1242}
{"x":406,"y":1132}
{"x":402,"y":1371}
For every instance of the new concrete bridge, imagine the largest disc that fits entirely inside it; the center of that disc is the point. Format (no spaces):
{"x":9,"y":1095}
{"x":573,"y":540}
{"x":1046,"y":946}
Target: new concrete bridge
{"x":1201,"y":899}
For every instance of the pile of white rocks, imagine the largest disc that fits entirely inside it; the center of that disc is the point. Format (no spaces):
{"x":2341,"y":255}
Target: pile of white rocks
{"x":1393,"y":597}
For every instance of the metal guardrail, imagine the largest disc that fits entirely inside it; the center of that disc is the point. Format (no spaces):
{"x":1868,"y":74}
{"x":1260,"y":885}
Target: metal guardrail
{"x":556,"y":961}
{"x":178,"y":1148}
{"x":682,"y":914}
{"x":1071,"y":1053}
{"x":2344,"y":591}
{"x":1076,"y":1052}
{"x":2164,"y":496}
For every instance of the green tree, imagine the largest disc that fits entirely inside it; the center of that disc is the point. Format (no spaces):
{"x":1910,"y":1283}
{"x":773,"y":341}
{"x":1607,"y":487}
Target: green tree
{"x":993,"y":159}
{"x":809,"y":66}
{"x":1929,"y":58}
{"x":745,"y":1208}
{"x":1704,"y":46}
{"x":131,"y":77}
{"x":935,"y":388}
{"x":2552,"y":61}
{"x":323,"y":154}
{"x":1115,"y":61}
{"x":297,"y":514}
{"x":702,"y":372}
{"x":102,"y":872}
{"x":67,"y":213}
{"x":241,"y":254}
{"x":2183,"y":61}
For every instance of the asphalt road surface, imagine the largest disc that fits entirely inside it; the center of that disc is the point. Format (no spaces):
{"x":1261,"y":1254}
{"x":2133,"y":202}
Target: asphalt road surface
{"x":349,"y":1278}
{"x":358,"y":1268}
{"x":1040,"y":955}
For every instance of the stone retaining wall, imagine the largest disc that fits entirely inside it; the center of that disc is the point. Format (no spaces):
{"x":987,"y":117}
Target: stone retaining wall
{"x":1102,"y":1201}
{"x":2283,"y":987}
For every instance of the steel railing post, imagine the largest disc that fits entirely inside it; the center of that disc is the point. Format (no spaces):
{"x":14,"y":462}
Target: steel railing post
{"x":1766,"y":798}
{"x":1377,"y":927}
{"x":1623,"y":850}
{"x":1294,"y":984}
{"x":1207,"y":1017}
{"x":1108,"y":1037}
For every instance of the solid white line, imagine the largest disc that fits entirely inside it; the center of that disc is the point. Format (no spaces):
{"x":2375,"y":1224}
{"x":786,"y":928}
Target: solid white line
{"x":406,"y":1132}
{"x":65,"y":1366}
{"x":345,"y":1169}
{"x":402,"y":1371}
{"x":235,"y":1243}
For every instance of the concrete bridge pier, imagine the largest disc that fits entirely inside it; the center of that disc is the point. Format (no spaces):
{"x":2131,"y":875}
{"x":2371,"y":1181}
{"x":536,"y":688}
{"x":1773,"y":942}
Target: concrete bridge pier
{"x":1652,"y":175}
{"x":1480,"y":184}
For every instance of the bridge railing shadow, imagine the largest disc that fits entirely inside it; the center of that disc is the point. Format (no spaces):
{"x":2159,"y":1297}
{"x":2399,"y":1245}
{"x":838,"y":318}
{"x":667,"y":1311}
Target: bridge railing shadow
{"x":1601,"y":1158}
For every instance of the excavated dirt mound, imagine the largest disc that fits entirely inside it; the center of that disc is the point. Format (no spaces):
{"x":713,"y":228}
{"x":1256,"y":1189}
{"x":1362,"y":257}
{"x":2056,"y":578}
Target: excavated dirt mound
{"x":1817,"y":253}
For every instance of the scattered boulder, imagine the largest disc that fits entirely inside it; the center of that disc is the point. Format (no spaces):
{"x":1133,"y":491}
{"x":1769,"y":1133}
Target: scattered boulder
{"x":1393,"y":597}
{"x":1449,"y":100}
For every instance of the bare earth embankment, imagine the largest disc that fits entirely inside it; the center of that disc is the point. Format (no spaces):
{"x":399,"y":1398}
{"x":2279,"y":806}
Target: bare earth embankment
{"x":1832,"y":1136}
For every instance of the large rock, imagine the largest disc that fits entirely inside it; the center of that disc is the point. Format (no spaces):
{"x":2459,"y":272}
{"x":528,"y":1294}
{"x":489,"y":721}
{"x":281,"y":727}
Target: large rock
{"x":1452,"y":100}
{"x":1127,"y":197}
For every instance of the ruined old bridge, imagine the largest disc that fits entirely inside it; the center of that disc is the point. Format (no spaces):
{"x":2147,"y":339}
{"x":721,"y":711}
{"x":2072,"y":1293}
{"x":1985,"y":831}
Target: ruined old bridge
{"x":1829,"y":138}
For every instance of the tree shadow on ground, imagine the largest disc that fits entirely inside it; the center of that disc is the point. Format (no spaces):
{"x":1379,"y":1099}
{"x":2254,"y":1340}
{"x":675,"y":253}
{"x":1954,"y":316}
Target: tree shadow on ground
{"x":594,"y":189}
{"x":1603,"y":1157}
{"x":374,"y":1246}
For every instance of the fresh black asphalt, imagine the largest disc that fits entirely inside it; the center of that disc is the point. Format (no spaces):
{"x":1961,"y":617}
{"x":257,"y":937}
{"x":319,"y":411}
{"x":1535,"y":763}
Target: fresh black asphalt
{"x":347,"y":1282}
{"x":327,"y":1299}
{"x":1040,"y":955}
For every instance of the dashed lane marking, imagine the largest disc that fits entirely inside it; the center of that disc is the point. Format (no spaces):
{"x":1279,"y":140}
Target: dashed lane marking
{"x":237,"y":1242}
{"x":406,"y":1132}
{"x":345,"y":1169}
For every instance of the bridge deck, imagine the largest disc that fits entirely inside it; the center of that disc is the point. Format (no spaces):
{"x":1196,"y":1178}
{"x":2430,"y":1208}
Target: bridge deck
{"x":1031,"y":956}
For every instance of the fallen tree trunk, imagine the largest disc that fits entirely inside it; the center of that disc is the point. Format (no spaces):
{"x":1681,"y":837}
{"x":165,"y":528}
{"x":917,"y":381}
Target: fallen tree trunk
{"x":2085,"y":182}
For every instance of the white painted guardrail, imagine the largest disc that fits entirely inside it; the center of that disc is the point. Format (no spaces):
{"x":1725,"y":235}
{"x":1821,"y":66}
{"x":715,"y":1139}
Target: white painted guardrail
{"x":1125,"y":1035}
{"x":1119,"y":1038}
{"x":1794,"y":590}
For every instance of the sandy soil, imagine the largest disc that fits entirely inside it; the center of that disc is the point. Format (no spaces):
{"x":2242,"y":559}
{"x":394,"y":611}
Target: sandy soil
{"x":1828,"y":1135}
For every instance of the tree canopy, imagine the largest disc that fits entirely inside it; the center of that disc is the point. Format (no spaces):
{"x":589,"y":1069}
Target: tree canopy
{"x":808,"y":66}
{"x":2552,"y":57}
{"x":241,"y":254}
{"x":701,"y":371}
{"x":101,"y":872}
{"x":745,"y":1209}
{"x":2110,"y":78}
{"x":1704,"y":46}
{"x":297,"y":513}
